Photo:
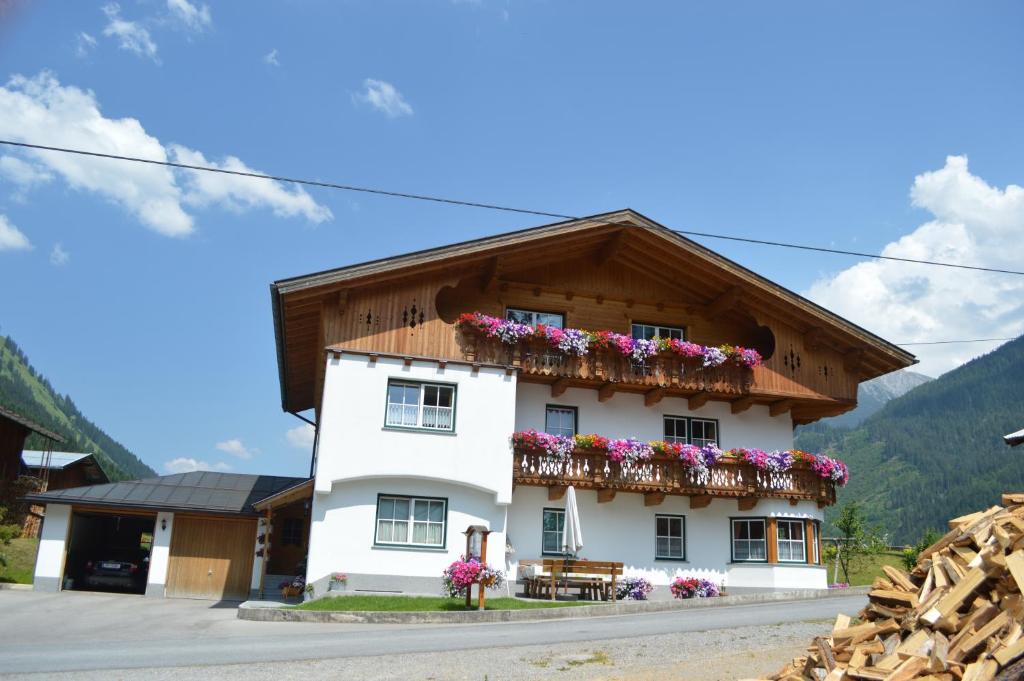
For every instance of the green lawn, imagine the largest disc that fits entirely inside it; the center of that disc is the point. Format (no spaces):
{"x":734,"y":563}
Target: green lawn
{"x":425,"y":603}
{"x":864,"y":570}
{"x":21,"y":558}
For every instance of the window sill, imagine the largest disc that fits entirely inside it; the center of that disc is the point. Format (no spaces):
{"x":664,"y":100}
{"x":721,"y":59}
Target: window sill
{"x":410,"y":547}
{"x":401,"y":429}
{"x":764,"y":563}
{"x":671,"y":560}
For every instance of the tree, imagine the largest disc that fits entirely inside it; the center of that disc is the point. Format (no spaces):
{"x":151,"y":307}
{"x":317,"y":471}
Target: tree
{"x":7,"y":533}
{"x":856,"y":539}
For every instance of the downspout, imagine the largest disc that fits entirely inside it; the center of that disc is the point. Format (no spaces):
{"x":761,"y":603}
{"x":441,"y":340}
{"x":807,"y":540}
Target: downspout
{"x":316,"y":441}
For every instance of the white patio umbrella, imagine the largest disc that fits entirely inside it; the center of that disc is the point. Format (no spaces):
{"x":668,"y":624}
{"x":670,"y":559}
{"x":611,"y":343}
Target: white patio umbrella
{"x":572,"y":535}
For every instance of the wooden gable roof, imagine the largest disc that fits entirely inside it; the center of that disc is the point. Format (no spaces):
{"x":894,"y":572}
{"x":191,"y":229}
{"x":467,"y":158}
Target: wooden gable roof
{"x":626,"y":236}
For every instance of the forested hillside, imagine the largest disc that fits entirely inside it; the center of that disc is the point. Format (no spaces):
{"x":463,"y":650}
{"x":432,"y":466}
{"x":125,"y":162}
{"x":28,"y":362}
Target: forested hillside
{"x":28,"y":393}
{"x":937,"y":451}
{"x":875,"y":394}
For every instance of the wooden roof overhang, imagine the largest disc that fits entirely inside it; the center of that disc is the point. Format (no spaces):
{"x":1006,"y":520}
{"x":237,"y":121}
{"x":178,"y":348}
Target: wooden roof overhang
{"x":684,"y":267}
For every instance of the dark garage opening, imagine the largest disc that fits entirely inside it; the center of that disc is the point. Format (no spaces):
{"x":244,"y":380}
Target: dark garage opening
{"x":109,"y":552}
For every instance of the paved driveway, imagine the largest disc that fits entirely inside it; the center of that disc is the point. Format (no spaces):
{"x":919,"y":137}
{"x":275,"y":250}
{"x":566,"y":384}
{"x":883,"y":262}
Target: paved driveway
{"x":83,"y":631}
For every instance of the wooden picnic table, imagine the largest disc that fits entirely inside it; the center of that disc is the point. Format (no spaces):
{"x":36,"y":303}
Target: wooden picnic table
{"x":596,"y":580}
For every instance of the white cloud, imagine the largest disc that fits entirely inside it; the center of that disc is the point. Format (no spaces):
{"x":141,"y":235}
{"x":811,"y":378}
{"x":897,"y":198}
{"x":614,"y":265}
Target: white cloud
{"x":12,"y":238}
{"x":194,"y":17}
{"x":40,"y":108}
{"x":234,"y":447}
{"x":131,"y":35}
{"x":84,"y":43}
{"x":22,"y":173}
{"x":301,"y":437}
{"x":188,"y":465}
{"x":271,"y":58}
{"x":973,"y":223}
{"x":58,"y":256}
{"x":384,"y":97}
{"x":241,"y":193}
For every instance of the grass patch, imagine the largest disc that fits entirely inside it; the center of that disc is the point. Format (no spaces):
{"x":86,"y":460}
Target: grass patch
{"x":21,"y":559}
{"x":424,"y":604}
{"x":864,"y":570}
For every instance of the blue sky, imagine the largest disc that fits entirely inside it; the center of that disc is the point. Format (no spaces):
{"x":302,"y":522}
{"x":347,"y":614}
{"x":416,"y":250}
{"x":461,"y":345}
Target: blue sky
{"x":144,"y":293}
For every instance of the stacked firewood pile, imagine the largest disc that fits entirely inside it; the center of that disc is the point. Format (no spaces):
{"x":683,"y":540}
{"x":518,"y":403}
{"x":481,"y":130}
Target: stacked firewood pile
{"x":958,"y":616}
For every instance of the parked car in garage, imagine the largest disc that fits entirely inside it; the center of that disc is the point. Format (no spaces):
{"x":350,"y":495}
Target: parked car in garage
{"x":121,"y":570}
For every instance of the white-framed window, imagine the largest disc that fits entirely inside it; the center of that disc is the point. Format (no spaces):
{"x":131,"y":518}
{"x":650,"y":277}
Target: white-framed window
{"x":560,"y":420}
{"x":420,"y":405}
{"x":670,"y":537}
{"x":411,"y":521}
{"x":792,"y":547}
{"x":533,"y":318}
{"x":676,"y":429}
{"x":551,"y":532}
{"x":703,"y":432}
{"x":649,"y":331}
{"x":815,"y":540}
{"x":748,"y":540}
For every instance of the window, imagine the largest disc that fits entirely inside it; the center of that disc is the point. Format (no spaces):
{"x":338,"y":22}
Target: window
{"x":670,"y":537}
{"x":291,"y":532}
{"x":410,"y":520}
{"x":703,"y":432}
{"x":683,"y":430}
{"x":791,"y":541}
{"x":675,"y":429}
{"x":815,"y":539}
{"x":421,"y":405}
{"x":554,"y":523}
{"x":649,"y":331}
{"x":560,"y":421}
{"x":748,"y":540}
{"x":533,"y":318}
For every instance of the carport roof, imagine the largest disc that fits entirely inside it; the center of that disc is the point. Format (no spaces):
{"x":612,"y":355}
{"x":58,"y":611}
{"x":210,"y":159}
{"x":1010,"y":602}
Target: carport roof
{"x":201,"y":491}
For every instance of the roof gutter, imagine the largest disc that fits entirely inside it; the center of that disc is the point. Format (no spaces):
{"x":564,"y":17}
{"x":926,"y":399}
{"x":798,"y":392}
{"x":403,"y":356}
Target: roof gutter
{"x":282,"y":368}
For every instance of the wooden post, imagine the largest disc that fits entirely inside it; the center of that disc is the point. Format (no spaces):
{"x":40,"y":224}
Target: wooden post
{"x":266,"y":552}
{"x":483,"y":560}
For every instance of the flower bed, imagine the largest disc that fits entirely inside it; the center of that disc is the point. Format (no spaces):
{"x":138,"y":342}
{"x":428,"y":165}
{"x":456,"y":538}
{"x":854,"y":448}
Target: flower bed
{"x":693,"y":587}
{"x":633,"y":589}
{"x":699,"y":459}
{"x":580,"y":342}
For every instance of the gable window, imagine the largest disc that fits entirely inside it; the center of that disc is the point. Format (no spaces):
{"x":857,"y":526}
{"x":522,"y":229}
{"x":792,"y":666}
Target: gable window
{"x":420,"y":405}
{"x":551,"y":533}
{"x":649,"y":331}
{"x":748,"y":540}
{"x":533,"y":317}
{"x":560,"y":420}
{"x":670,"y":537}
{"x":412,"y":521}
{"x":703,"y":432}
{"x":686,"y":430}
{"x":792,"y":548}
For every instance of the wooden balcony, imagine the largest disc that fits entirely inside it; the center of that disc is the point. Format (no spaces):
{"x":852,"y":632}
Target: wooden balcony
{"x":609,"y":370}
{"x":660,"y":476}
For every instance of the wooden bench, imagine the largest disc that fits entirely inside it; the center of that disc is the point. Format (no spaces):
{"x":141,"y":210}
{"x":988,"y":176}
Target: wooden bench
{"x":595,"y":579}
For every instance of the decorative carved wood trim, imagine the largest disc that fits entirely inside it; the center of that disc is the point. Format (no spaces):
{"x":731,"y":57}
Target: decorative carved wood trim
{"x":605,"y":495}
{"x":559,"y":387}
{"x":654,"y":498}
{"x":490,"y":273}
{"x":722,"y":304}
{"x":556,"y":492}
{"x":652,"y":397}
{"x":746,"y":503}
{"x":794,"y":502}
{"x":780,"y":407}
{"x":697,"y":401}
{"x":700,"y":501}
{"x":605,"y":392}
{"x":741,"y":405}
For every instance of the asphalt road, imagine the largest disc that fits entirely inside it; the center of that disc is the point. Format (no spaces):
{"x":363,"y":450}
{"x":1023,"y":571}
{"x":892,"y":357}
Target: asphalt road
{"x":78,"y":631}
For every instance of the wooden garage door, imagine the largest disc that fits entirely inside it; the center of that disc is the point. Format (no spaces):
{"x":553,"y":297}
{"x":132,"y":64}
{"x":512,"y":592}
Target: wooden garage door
{"x":211,"y":558}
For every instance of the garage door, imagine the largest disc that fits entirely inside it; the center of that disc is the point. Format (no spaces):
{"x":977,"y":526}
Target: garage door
{"x":211,"y":558}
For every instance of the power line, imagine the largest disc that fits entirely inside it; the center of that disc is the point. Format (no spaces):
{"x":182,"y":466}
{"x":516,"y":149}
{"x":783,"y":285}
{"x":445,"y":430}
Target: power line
{"x":488,"y":206}
{"x":949,"y":342}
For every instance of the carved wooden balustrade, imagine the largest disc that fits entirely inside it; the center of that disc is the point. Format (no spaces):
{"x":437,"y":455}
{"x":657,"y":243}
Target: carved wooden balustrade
{"x":665,"y":370}
{"x":592,"y":469}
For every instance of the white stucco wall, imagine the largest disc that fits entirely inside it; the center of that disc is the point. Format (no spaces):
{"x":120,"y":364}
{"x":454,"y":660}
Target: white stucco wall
{"x":625,"y":415}
{"x":624,"y":530}
{"x":52,"y":543}
{"x":354,"y":444}
{"x":344,"y":522}
{"x":160,"y":554}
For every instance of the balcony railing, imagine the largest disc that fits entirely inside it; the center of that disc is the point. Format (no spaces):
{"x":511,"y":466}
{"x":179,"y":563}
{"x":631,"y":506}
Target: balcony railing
{"x":593,"y":469}
{"x":666,"y":370}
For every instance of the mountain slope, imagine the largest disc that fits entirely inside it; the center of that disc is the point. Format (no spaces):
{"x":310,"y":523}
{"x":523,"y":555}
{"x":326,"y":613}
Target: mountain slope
{"x":937,"y":451}
{"x":28,"y":393}
{"x":875,"y":394}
